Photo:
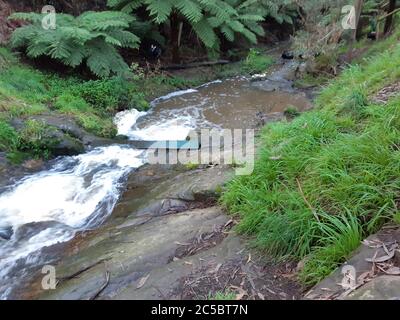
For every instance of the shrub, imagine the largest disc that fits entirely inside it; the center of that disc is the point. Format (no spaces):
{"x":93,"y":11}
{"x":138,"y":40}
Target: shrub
{"x":291,"y":112}
{"x":107,"y":95}
{"x":68,"y":103}
{"x":95,"y":124}
{"x":8,"y":137}
{"x":256,"y":62}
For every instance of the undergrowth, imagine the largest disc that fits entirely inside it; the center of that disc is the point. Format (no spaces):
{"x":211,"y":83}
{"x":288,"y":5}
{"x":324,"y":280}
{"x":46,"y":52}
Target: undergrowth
{"x":328,"y":178}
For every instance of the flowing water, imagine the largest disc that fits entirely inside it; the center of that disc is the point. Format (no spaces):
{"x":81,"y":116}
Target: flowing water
{"x":80,"y":192}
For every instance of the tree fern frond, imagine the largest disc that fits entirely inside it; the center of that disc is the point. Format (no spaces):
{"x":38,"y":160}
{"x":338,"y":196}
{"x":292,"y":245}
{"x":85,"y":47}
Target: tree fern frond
{"x":35,"y":50}
{"x":100,"y":21}
{"x":126,"y":38}
{"x":249,"y":36}
{"x":190,"y":10}
{"x":228,"y":33}
{"x":104,"y":60}
{"x":160,"y":10}
{"x":206,"y":33}
{"x":25,"y":16}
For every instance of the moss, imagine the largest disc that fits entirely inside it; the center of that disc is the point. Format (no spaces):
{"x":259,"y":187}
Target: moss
{"x":38,"y":139}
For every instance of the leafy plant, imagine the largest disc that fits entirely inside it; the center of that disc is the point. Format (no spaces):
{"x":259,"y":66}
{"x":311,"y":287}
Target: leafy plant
{"x":37,"y":138}
{"x":92,"y":38}
{"x":340,"y":235}
{"x":68,"y":103}
{"x":103,"y":127}
{"x":256,"y":62}
{"x":291,"y":112}
{"x":8,"y":137}
{"x":206,"y":18}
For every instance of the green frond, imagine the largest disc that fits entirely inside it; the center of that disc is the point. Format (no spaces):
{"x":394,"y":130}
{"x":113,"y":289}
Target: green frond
{"x":100,"y":21}
{"x":228,"y":33}
{"x":190,"y":10}
{"x":126,"y":6}
{"x":91,"y":38}
{"x":25,"y":16}
{"x":104,"y":60}
{"x":206,"y":33}
{"x":160,"y":10}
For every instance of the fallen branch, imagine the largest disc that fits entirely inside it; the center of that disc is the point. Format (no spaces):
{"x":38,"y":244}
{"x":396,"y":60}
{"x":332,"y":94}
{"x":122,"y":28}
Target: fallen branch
{"x":79,"y":272}
{"x":195,"y":65}
{"x":107,"y":276}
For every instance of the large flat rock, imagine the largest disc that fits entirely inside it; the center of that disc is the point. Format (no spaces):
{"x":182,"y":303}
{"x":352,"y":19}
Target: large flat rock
{"x":367,"y":274}
{"x":380,"y":288}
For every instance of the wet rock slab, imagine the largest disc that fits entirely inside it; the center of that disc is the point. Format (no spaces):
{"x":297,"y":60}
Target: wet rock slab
{"x":130,"y":255}
{"x":380,"y":288}
{"x":162,"y":207}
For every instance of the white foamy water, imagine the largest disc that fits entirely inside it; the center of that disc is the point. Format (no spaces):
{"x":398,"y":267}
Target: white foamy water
{"x":173,"y":129}
{"x":71,"y":191}
{"x":77,"y":193}
{"x":175,"y":94}
{"x":125,"y":120}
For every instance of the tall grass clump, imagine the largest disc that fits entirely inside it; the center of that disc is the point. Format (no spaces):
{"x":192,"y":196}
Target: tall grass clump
{"x":330,"y":177}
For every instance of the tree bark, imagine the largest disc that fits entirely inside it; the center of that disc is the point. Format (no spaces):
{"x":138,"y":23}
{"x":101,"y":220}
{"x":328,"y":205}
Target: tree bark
{"x":174,"y":36}
{"x":358,"y":7}
{"x":389,"y":19}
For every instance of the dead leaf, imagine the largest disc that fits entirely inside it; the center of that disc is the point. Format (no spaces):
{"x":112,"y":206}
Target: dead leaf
{"x":249,"y":259}
{"x":228,"y":223}
{"x":261,"y":296}
{"x":182,"y":244}
{"x":363,"y":277}
{"x":215,"y":270}
{"x":395,"y":271}
{"x":383,"y":258}
{"x":142,"y":281}
{"x":242,"y":293}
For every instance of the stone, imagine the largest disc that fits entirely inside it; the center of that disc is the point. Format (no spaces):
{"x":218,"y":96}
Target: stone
{"x":381,"y":288}
{"x":6,"y":233}
{"x":33,"y":164}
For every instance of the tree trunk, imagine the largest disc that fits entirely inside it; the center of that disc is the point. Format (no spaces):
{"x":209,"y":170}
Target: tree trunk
{"x":358,"y":7}
{"x":174,"y":36}
{"x":389,"y":19}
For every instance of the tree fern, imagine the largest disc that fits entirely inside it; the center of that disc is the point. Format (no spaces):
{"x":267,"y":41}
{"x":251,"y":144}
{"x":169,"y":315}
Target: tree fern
{"x":92,"y":37}
{"x":208,"y":18}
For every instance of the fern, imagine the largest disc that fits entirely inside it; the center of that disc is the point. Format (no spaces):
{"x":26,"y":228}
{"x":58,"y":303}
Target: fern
{"x":208,"y":18}
{"x":92,"y":38}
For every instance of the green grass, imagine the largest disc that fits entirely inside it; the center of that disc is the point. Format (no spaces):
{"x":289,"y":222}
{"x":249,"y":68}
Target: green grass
{"x":330,"y":177}
{"x":227,"y":295}
{"x":256,"y":62}
{"x":8,"y":137}
{"x":291,"y":112}
{"x":37,"y":138}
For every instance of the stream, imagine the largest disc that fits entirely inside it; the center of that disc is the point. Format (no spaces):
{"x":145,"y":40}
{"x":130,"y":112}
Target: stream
{"x":80,"y":192}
